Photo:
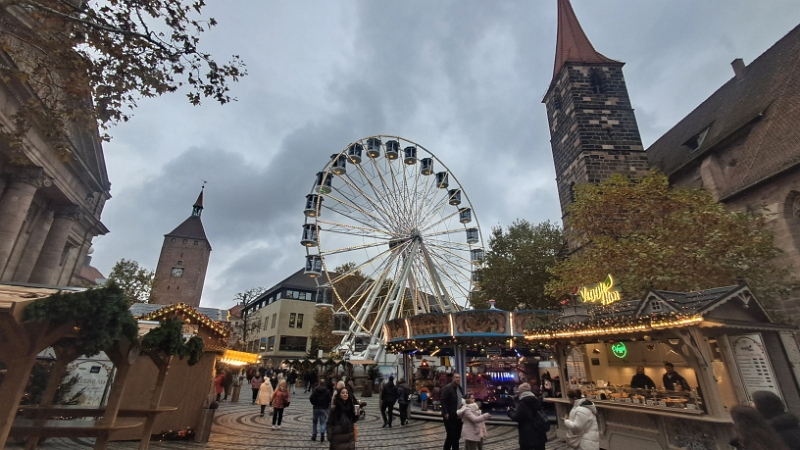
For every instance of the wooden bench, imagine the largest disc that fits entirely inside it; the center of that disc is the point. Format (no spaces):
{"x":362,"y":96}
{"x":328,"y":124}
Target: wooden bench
{"x":40,"y":423}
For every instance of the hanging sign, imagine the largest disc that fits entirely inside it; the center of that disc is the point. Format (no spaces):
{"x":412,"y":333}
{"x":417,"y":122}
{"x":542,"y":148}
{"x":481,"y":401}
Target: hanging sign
{"x":619,"y":349}
{"x":604,"y":293}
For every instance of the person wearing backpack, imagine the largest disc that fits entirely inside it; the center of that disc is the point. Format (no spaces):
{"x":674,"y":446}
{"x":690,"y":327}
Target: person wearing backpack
{"x":403,"y":399}
{"x":531,"y":421}
{"x":582,"y":430}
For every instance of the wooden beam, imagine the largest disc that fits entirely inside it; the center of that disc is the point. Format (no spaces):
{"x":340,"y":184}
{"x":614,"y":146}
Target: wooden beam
{"x":18,"y":341}
{"x":11,"y":391}
{"x":118,"y":354}
{"x":155,"y":401}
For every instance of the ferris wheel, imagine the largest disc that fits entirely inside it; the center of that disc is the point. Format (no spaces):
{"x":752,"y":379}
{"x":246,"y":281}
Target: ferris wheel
{"x":403,"y":226}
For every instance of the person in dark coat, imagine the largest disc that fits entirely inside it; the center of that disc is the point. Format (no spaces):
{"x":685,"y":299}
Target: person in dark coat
{"x":451,"y":402}
{"x":784,"y":423}
{"x":320,"y":399}
{"x":388,"y":399}
{"x":291,"y":379}
{"x":403,"y":399}
{"x":642,"y":381}
{"x":341,"y":422}
{"x":752,"y":431}
{"x":531,"y":434}
{"x":673,"y":381}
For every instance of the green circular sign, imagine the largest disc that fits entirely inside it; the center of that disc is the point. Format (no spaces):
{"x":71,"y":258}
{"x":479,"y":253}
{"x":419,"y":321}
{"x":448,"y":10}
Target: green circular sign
{"x":619,"y":349}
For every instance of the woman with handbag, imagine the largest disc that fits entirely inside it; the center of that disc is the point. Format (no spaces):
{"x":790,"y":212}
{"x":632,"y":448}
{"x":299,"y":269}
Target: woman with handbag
{"x":280,"y":400}
{"x":342,"y":431}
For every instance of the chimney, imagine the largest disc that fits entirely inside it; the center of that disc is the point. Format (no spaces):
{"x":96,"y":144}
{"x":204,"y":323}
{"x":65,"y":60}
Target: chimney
{"x":738,"y":68}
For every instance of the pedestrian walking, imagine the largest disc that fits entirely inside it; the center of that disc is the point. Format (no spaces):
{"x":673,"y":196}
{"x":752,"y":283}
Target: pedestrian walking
{"x":339,"y":386}
{"x":474,"y":430}
{"x":451,"y":403}
{"x":403,"y":400}
{"x":218,"y":384}
{"x":424,"y":396}
{"x":227,"y":383}
{"x":292,"y":380}
{"x":264,"y":396}
{"x":532,"y":424}
{"x":341,"y":426}
{"x":582,"y":430}
{"x":273,"y":379}
{"x":752,"y":431}
{"x":784,"y":423}
{"x":320,"y":399}
{"x":255,"y":383}
{"x":280,"y":400}
{"x":307,"y":380}
{"x":388,"y":399}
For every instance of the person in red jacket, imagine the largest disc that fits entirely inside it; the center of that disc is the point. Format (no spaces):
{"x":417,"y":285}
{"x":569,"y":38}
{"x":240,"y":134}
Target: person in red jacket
{"x":219,"y":384}
{"x":280,"y":400}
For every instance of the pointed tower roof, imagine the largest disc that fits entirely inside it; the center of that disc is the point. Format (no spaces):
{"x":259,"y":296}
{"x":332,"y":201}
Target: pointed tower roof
{"x":199,"y":202}
{"x":572,"y":45}
{"x":192,"y":228}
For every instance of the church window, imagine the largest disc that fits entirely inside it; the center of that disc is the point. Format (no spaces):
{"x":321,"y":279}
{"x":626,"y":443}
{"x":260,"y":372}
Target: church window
{"x":180,"y":262}
{"x":557,"y":102}
{"x":597,"y":82}
{"x":167,"y":287}
{"x":177,"y":288}
{"x":172,"y":240}
{"x":195,"y":242}
{"x":185,"y":241}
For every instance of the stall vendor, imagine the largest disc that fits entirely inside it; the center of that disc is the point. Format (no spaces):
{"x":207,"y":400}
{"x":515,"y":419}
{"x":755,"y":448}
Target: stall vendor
{"x":673,"y":381}
{"x":642,"y":381}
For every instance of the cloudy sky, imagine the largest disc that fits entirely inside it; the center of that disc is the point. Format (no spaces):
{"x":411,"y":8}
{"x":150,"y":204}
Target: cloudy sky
{"x":464,"y":78}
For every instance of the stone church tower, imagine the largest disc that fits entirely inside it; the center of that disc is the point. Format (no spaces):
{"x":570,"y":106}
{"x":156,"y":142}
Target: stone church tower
{"x":593,"y":129}
{"x":181,"y":270}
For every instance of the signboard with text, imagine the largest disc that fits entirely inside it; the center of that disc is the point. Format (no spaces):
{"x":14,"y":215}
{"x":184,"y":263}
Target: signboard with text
{"x":604,"y":293}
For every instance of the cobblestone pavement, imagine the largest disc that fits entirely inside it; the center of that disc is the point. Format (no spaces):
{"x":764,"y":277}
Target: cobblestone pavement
{"x":237,"y":426}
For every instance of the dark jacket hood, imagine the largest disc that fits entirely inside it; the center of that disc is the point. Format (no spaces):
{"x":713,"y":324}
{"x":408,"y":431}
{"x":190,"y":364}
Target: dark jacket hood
{"x":785,"y":421}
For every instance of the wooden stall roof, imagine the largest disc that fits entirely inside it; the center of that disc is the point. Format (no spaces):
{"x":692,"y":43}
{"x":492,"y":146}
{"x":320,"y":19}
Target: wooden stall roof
{"x":195,"y":315}
{"x":14,"y":297}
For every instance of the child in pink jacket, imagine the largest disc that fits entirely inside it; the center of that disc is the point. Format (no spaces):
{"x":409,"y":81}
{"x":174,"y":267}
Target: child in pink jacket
{"x":474,"y":430}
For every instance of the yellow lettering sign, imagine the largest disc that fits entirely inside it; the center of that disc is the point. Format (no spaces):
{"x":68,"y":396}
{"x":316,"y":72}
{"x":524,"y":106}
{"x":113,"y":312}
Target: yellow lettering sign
{"x":604,"y":293}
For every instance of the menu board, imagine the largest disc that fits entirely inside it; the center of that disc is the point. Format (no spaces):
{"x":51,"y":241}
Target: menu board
{"x":753,"y":364}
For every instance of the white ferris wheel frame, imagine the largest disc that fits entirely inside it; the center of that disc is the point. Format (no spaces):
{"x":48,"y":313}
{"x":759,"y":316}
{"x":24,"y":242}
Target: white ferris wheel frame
{"x":386,"y":202}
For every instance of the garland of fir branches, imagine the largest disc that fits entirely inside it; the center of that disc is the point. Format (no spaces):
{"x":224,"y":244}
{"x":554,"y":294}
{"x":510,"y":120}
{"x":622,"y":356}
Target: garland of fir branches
{"x":100,"y":314}
{"x":167,"y":339}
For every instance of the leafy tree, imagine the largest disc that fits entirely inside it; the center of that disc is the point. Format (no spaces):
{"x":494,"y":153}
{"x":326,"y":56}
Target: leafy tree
{"x":91,"y":60}
{"x":650,"y":235}
{"x":517,"y":266}
{"x":135,"y":281}
{"x":167,"y":339}
{"x":245,"y":325}
{"x":322,"y":337}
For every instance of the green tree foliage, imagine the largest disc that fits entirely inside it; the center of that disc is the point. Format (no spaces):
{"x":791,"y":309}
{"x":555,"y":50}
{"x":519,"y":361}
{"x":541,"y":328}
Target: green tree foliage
{"x":101,"y":314}
{"x":92,"y":60}
{"x":135,"y":281}
{"x":322,"y":336}
{"x":517,"y":266}
{"x":167,"y":339}
{"x":650,"y":235}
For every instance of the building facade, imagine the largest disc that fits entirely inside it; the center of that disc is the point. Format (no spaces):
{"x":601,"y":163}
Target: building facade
{"x":182,"y":265}
{"x":743,"y":145}
{"x":51,"y":199}
{"x":279,"y":321}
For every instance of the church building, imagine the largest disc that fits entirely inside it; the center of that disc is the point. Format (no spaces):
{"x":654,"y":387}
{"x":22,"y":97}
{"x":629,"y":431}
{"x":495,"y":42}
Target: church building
{"x":181,"y":270}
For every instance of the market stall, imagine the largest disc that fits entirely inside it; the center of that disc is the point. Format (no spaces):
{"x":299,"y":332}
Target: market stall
{"x":664,"y":371}
{"x":486,"y":346}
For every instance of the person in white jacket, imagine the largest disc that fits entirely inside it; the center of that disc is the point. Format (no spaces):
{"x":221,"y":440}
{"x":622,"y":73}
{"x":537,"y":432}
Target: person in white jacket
{"x":474,"y":431}
{"x":582,"y":430}
{"x":264,"y":396}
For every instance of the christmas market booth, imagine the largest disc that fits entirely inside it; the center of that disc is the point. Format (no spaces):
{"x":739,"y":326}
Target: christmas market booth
{"x":487,"y":346}
{"x":664,"y":371}
{"x":185,"y":391}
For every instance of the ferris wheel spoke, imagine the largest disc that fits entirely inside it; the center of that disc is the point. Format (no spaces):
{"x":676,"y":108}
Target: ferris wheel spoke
{"x":372,"y":202}
{"x":444,"y":219}
{"x":361,"y":266}
{"x":428,"y":236}
{"x":450,"y":277}
{"x":399,"y":191}
{"x":351,"y":248}
{"x":455,"y":255}
{"x":437,"y":209}
{"x":452,"y":245}
{"x":362,"y":172}
{"x":355,"y":208}
{"x":439,"y":290}
{"x":387,"y":189}
{"x":427,"y":199}
{"x":369,"y":232}
{"x":349,"y":215}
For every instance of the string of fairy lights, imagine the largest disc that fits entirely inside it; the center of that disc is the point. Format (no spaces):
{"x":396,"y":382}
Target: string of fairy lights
{"x":199,"y":318}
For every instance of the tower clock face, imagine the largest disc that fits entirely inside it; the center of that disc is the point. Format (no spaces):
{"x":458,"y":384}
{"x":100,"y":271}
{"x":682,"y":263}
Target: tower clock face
{"x":177,"y":272}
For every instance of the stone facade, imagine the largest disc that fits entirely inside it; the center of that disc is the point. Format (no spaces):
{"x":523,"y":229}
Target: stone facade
{"x":182,"y":265}
{"x":50,"y":206}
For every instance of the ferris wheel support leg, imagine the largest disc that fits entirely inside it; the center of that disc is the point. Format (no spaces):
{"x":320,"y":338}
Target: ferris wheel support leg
{"x":355,"y":326}
{"x":396,"y":295}
{"x":439,"y":289}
